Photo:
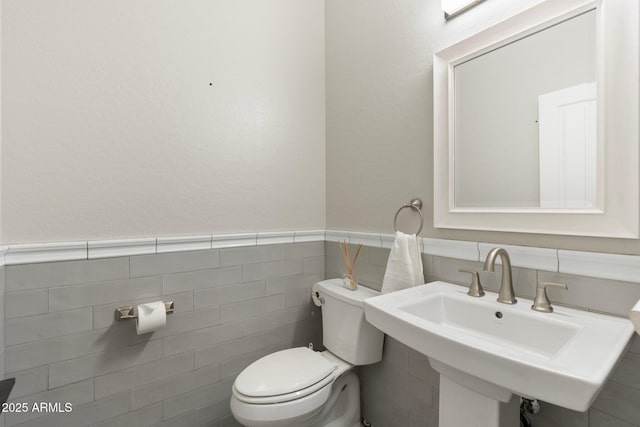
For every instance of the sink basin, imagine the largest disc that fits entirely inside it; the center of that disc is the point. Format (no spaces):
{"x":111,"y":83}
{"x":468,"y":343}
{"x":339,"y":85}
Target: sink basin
{"x":464,"y":317}
{"x":562,"y":357}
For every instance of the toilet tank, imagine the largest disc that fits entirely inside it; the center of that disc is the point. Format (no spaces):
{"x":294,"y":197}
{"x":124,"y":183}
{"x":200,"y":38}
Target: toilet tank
{"x":345,"y":331}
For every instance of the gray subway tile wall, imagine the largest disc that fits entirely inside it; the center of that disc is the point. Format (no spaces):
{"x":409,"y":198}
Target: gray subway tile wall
{"x":43,"y":352}
{"x":230,"y":294}
{"x":147,"y":373}
{"x":145,"y":417}
{"x":233,"y":306}
{"x":57,"y":274}
{"x":111,"y":360}
{"x":158,"y":391}
{"x":386,"y":400}
{"x":27,"y":303}
{"x":34,"y":328}
{"x":77,"y":296}
{"x":30,"y":381}
{"x":201,"y":279}
{"x":601,"y":419}
{"x":177,"y":262}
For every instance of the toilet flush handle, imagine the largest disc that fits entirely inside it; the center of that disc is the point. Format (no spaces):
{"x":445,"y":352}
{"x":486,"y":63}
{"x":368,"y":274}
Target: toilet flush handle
{"x":320,"y":298}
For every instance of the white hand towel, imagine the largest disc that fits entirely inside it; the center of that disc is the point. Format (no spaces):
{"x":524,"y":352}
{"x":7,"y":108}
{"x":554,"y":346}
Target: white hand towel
{"x":404,"y":268}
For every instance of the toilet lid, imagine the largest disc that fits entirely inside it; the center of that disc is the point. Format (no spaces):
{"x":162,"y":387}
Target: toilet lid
{"x":283,"y":372}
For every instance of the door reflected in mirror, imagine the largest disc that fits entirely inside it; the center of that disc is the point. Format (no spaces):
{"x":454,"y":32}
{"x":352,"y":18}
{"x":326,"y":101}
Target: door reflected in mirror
{"x":524,"y":132}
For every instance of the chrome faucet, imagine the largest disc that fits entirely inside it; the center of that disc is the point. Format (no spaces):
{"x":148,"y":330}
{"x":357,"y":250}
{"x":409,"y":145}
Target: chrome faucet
{"x":506,"y":294}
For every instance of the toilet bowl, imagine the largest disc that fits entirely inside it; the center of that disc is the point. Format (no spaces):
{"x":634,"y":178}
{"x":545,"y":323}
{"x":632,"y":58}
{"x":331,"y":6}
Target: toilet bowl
{"x":301,"y":387}
{"x":291,"y":387}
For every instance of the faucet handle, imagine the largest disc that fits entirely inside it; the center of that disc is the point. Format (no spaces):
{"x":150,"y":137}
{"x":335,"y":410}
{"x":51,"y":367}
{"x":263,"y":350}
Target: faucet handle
{"x":541,"y":303}
{"x":475,"y":288}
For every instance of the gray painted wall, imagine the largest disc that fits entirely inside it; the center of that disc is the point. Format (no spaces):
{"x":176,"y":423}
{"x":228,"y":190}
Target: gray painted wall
{"x":135,"y":119}
{"x":379,"y":89}
{"x":402,"y":390}
{"x":232,"y":307}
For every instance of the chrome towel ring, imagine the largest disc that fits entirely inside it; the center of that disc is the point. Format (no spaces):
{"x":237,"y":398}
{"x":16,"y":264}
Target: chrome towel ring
{"x":416,"y":205}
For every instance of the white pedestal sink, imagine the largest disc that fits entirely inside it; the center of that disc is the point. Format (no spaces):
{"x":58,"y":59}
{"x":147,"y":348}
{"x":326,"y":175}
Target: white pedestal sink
{"x":490,"y":353}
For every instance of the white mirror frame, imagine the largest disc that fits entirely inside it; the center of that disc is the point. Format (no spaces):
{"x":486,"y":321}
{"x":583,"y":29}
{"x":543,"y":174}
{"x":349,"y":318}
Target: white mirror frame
{"x":618,"y":79}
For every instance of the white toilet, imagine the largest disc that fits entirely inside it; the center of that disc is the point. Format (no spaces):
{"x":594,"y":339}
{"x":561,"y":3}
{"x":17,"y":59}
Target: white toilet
{"x":300,"y":387}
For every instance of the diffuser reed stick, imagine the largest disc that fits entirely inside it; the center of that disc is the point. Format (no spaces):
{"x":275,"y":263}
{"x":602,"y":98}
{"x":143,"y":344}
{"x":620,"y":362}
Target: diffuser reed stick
{"x":350,"y":282}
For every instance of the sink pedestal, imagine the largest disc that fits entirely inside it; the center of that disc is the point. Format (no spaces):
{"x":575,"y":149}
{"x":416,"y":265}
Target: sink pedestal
{"x":460,"y":406}
{"x":468,"y":401}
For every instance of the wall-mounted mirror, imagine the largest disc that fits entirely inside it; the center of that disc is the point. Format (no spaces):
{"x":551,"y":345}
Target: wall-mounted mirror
{"x":529,"y":110}
{"x":529,"y":128}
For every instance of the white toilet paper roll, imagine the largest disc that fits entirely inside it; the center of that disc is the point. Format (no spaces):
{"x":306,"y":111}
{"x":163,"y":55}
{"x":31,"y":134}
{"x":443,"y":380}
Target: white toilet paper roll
{"x":151,"y":316}
{"x":634,"y":315}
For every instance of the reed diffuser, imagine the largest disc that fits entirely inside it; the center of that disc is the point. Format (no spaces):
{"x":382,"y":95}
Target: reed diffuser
{"x":350,"y":281}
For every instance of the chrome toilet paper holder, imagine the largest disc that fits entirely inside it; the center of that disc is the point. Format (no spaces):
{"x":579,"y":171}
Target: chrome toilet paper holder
{"x":127,"y":312}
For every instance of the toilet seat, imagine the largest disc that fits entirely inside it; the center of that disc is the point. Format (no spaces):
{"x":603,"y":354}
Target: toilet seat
{"x":284,"y":376}
{"x":284,"y":388}
{"x":292,"y":413}
{"x":284,"y":397}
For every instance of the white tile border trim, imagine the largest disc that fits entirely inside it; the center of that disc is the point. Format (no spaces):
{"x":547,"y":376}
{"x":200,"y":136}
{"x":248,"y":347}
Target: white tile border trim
{"x":45,"y":252}
{"x":3,"y":253}
{"x":275,"y":237}
{"x":233,"y":240}
{"x":336,"y":235}
{"x":366,"y":239}
{"x":592,"y":264}
{"x":603,"y":266}
{"x":184,"y":243}
{"x":525,"y":256}
{"x":458,"y":249}
{"x":309,"y":236}
{"x":116,"y":248}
